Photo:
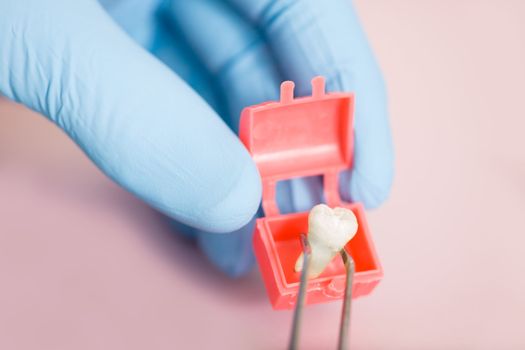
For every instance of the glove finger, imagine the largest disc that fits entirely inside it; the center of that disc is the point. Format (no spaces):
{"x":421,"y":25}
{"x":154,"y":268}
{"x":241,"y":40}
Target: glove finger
{"x":140,"y":123}
{"x":144,"y":22}
{"x":311,"y":38}
{"x":239,"y":63}
{"x":231,"y":252}
{"x":138,"y":18}
{"x":243,"y":72}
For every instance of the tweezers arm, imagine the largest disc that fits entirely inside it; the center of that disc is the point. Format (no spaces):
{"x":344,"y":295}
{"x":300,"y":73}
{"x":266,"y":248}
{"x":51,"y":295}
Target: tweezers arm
{"x":299,"y":304}
{"x":344,"y":326}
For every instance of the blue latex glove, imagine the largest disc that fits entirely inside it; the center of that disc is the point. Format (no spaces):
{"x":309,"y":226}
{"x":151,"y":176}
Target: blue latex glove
{"x":143,"y":126}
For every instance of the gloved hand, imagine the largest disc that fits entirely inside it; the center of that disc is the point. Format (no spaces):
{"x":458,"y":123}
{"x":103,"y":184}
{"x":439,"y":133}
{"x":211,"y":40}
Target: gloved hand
{"x":145,"y":128}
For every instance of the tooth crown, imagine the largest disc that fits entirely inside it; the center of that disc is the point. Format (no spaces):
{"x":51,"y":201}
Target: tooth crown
{"x":329,"y":230}
{"x":332,"y":228}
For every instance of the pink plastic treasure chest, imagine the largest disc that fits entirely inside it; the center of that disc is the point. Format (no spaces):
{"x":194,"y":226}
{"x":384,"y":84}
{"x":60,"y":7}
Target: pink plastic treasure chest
{"x":295,"y":138}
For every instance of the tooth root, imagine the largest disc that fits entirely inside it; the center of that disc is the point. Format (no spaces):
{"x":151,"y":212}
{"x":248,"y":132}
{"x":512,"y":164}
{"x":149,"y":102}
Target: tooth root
{"x":319,"y":263}
{"x":319,"y":259}
{"x":299,"y":263}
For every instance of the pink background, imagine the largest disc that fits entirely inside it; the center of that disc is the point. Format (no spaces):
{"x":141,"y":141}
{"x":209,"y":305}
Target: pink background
{"x":84,"y":265}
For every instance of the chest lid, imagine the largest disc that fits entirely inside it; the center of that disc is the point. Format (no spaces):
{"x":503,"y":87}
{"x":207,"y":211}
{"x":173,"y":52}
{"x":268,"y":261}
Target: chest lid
{"x":300,"y":136}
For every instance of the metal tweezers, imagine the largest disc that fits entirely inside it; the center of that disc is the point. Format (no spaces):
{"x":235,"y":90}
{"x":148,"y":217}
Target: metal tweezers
{"x":347,"y":300}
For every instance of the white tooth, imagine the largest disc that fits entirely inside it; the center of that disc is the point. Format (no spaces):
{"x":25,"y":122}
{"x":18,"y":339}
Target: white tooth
{"x":329,"y":230}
